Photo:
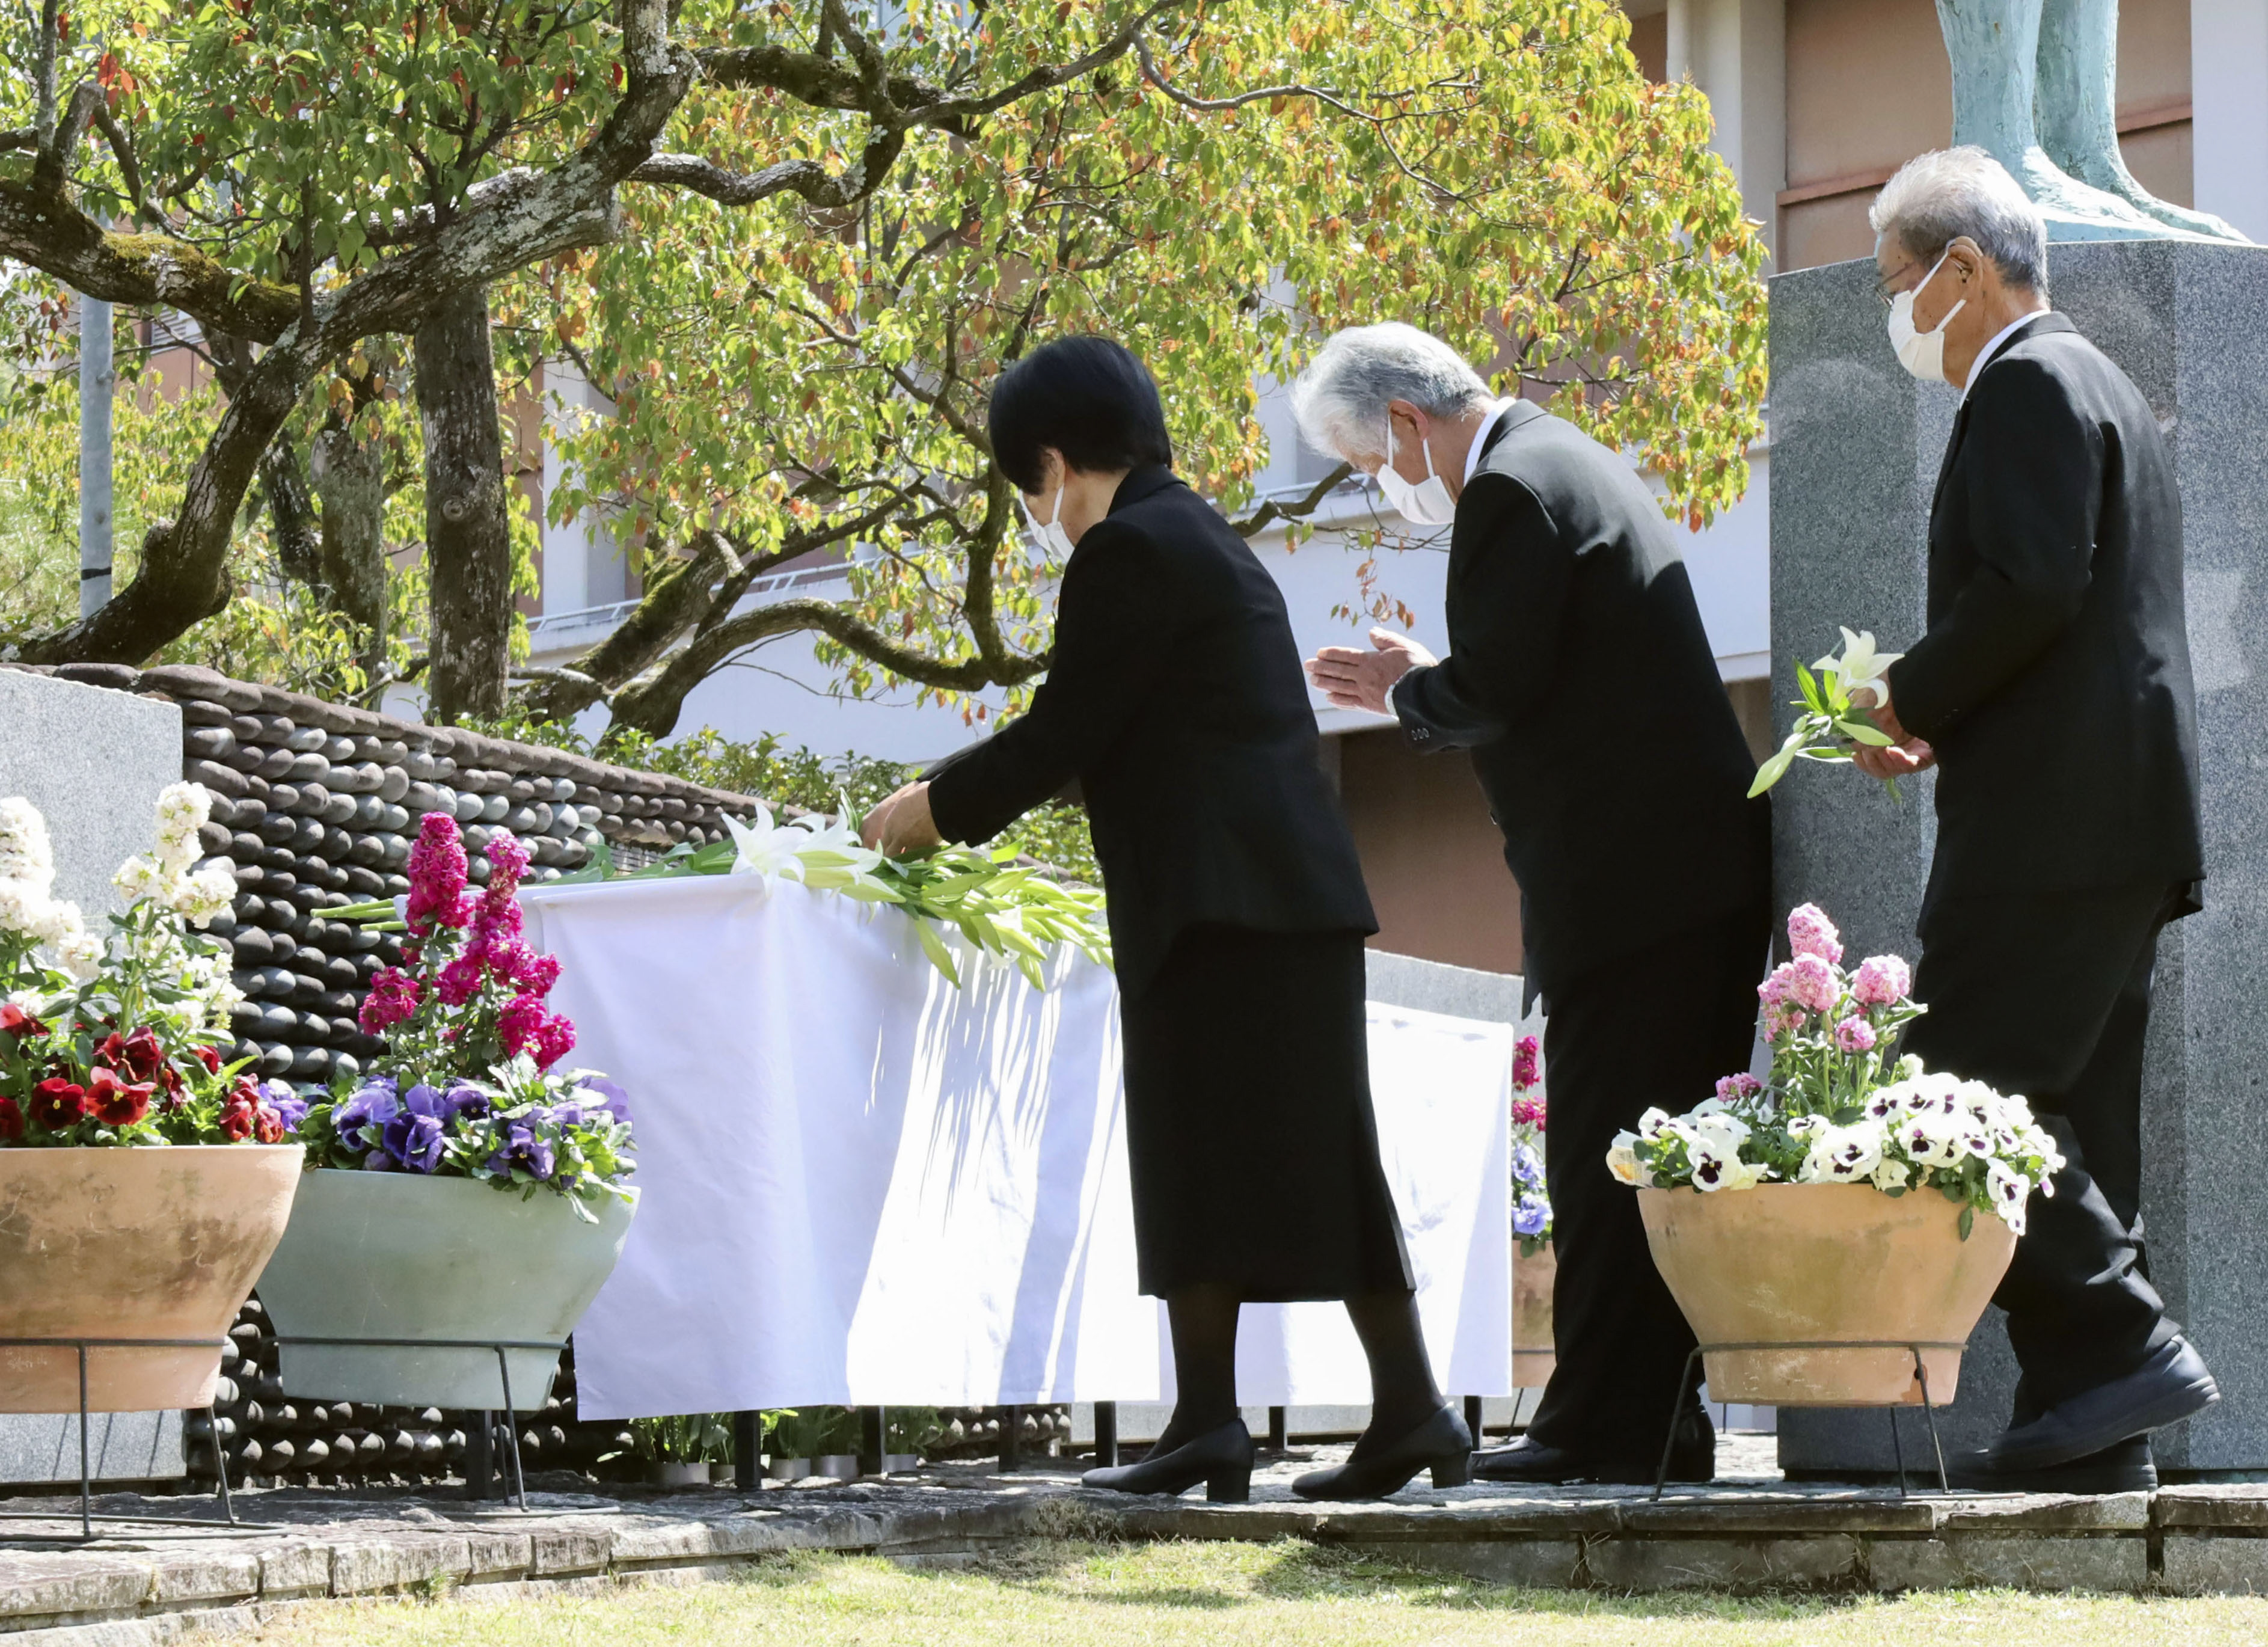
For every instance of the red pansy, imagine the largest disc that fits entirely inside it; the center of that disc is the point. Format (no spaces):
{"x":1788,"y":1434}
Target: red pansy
{"x":11,"y":1120}
{"x":57,"y":1103}
{"x":16,"y":1021}
{"x":117,"y":1103}
{"x":137,"y":1054}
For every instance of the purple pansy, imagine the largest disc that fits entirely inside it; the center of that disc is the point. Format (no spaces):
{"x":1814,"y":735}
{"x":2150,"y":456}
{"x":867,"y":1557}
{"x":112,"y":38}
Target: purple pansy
{"x":1533,"y":1213}
{"x":524,"y":1150}
{"x":415,"y":1140}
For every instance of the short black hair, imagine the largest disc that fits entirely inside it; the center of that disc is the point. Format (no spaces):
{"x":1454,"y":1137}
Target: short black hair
{"x":1088,"y":398}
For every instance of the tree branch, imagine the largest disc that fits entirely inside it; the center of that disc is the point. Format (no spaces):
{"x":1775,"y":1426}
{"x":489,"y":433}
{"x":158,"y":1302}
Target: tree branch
{"x":1299,"y":508}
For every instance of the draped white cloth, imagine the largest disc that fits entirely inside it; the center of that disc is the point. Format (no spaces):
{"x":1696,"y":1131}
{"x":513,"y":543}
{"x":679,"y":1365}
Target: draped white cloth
{"x":863,"y":1186}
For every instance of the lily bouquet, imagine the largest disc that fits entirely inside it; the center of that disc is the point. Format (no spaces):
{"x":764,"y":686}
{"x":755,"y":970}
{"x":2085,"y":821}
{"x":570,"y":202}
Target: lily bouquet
{"x":1832,"y":724}
{"x":1531,"y":1214}
{"x":1004,"y":908}
{"x":468,"y":1084}
{"x":117,"y":1041}
{"x":1836,"y":1109}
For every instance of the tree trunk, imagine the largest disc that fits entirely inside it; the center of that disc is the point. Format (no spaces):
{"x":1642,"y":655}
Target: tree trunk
{"x":349,"y":477}
{"x":468,"y":533}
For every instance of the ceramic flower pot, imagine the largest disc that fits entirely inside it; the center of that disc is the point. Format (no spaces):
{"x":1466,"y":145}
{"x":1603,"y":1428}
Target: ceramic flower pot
{"x":1533,"y":1357}
{"x":401,"y":1255}
{"x":671,"y":1472}
{"x":145,"y":1242}
{"x":1790,"y":1263}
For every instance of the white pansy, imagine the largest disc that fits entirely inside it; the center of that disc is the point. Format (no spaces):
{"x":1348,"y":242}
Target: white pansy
{"x":764,"y":849}
{"x":1650,"y":1124}
{"x":1844,"y":1155}
{"x":1860,"y":663}
{"x":1623,"y":1161}
{"x":2009,"y":1191}
{"x":24,"y":853}
{"x":1891,"y":1173}
{"x":1931,"y":1139}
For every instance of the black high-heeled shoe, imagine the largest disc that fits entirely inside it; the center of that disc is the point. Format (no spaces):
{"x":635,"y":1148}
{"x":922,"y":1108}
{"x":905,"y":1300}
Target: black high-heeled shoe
{"x":1441,"y":1444}
{"x":1221,"y":1459}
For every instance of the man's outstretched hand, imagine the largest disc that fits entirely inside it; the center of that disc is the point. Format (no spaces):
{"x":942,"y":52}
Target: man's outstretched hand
{"x":1908,"y":755}
{"x":900,"y":823}
{"x":1357,"y":679}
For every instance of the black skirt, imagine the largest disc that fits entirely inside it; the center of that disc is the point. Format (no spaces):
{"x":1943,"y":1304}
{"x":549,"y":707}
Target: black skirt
{"x":1253,"y":1148}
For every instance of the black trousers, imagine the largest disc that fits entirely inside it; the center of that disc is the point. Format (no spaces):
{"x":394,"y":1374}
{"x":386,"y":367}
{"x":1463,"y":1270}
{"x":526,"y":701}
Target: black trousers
{"x":1658,"y":1027}
{"x":2048,"y":995}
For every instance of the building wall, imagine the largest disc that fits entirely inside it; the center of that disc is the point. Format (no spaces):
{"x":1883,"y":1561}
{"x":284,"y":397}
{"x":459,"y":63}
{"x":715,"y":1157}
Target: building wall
{"x":1869,"y":87}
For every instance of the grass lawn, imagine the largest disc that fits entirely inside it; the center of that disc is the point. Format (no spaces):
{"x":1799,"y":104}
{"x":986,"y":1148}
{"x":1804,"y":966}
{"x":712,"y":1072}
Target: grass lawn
{"x":1221,"y":1595}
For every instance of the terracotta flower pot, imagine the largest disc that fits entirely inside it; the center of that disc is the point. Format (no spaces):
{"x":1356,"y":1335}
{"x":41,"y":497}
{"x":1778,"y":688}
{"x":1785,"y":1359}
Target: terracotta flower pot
{"x":399,"y":1255}
{"x":1782,"y":1263}
{"x":144,"y":1242}
{"x":1532,"y":1345}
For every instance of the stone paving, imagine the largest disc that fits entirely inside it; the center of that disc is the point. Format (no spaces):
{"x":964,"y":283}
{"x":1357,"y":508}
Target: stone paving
{"x":141,"y":1586}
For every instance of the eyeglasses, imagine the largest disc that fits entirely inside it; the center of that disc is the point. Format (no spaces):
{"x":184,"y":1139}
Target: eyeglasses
{"x":1885,"y":292}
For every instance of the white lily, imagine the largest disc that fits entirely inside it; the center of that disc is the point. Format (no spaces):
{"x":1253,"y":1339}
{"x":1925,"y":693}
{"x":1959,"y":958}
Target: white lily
{"x":835,"y":836}
{"x":764,"y":849}
{"x":1861,"y":665}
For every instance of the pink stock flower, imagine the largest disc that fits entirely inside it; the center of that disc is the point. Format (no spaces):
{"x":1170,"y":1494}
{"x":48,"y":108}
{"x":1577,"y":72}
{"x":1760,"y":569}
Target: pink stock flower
{"x":1526,"y":1112}
{"x":1781,"y":1020}
{"x":459,"y":980}
{"x":1808,"y":983}
{"x":1809,"y":932}
{"x":1527,"y":1061}
{"x":1881,"y":980}
{"x":497,"y":921}
{"x":436,"y":871}
{"x":393,"y":996}
{"x":1855,"y":1034}
{"x":1733,"y":1088}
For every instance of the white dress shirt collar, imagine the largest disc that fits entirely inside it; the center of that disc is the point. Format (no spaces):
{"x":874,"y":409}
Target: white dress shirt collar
{"x":1480,"y":439}
{"x":1984,"y":355}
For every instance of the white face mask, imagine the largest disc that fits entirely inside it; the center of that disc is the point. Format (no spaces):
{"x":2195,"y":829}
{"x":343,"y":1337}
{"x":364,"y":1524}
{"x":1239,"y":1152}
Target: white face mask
{"x":1921,"y":353}
{"x":1426,"y":502}
{"x":1053,"y":539}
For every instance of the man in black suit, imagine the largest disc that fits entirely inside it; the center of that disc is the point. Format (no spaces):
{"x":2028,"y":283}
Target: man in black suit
{"x":2052,"y":691}
{"x":1582,"y":681}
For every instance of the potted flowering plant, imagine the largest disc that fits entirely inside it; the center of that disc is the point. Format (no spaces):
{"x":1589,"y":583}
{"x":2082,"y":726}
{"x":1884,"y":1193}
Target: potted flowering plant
{"x":143,"y":1181}
{"x":1837,"y":1200}
{"x":469,"y":1189}
{"x":1534,"y":1271}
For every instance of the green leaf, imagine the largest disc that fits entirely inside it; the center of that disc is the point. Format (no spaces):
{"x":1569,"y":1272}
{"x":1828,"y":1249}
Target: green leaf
{"x":1967,"y":1221}
{"x":1808,"y":685}
{"x":1866,"y":732}
{"x":935,"y":947}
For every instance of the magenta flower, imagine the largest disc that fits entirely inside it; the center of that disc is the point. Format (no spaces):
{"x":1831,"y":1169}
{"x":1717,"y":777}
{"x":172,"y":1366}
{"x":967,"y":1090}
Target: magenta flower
{"x":393,"y":996}
{"x":459,"y":980}
{"x":436,"y":871}
{"x":1527,"y":1062}
{"x":1855,"y":1034}
{"x":1881,"y":980}
{"x":555,"y":1040}
{"x":508,"y":862}
{"x":1526,"y":1112}
{"x":520,"y":1024}
{"x":1809,"y":932}
{"x":1735,"y":1088}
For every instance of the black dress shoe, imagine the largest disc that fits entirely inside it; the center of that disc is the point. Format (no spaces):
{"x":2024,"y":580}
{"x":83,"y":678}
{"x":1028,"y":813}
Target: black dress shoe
{"x":1221,"y":1459}
{"x":1441,"y":1444}
{"x":2168,"y":1388}
{"x":2128,"y":1468}
{"x":1533,"y":1463}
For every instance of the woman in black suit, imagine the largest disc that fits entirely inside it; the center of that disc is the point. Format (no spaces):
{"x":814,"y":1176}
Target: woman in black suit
{"x":1237,"y":911}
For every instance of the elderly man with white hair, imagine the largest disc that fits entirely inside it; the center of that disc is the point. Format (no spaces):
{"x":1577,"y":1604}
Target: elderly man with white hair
{"x":1581,"y":681}
{"x":2052,"y":693}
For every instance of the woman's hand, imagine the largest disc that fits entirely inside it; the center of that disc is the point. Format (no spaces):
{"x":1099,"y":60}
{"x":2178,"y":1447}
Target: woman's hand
{"x":901,"y":823}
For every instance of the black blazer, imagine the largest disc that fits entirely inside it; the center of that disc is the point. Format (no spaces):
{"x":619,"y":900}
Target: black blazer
{"x":2054,"y":680}
{"x":1580,"y":678}
{"x":1177,"y":701}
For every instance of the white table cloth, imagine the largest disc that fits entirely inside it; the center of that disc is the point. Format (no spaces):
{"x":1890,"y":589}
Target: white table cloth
{"x":862,"y":1185}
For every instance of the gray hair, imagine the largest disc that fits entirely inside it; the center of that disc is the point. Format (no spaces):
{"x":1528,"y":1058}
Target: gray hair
{"x":1340,"y":399}
{"x":1936,"y":197}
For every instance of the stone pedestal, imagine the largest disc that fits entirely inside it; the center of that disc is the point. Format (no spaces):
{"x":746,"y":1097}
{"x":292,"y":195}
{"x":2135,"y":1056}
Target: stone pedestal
{"x":92,"y":762}
{"x":1856,"y":446}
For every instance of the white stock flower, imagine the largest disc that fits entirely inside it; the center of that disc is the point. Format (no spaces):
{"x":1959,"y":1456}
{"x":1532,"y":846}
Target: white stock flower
{"x":205,"y":896}
{"x":182,"y":810}
{"x":1861,"y":665}
{"x":57,"y":922}
{"x":764,"y":849}
{"x":24,"y":853}
{"x":140,"y":876}
{"x":80,"y":955}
